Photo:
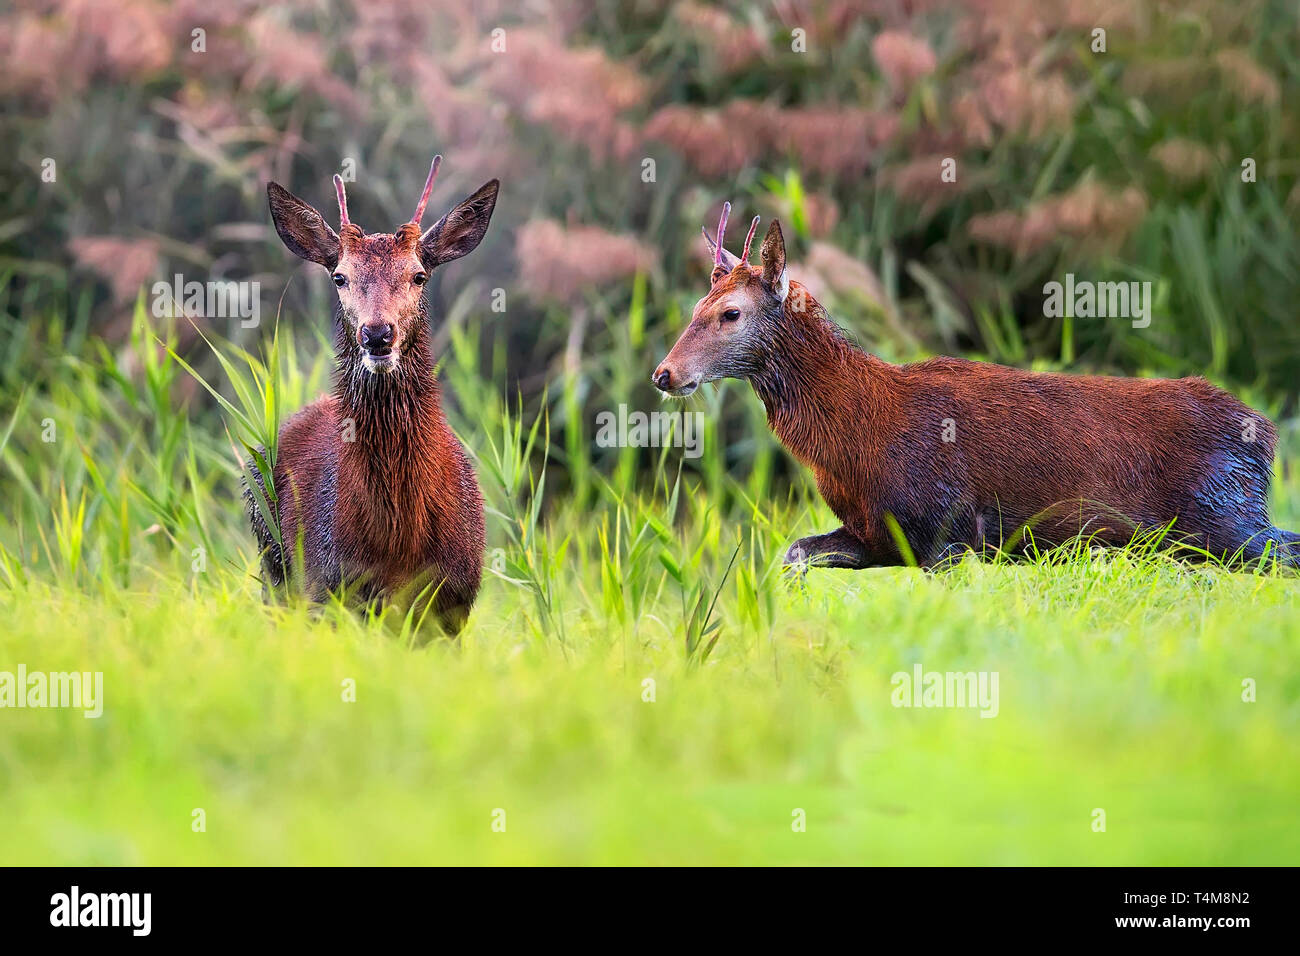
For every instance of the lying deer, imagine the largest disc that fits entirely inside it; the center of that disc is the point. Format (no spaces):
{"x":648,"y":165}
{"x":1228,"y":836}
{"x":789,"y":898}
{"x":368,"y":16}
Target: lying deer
{"x":374,"y":491}
{"x":952,"y":455}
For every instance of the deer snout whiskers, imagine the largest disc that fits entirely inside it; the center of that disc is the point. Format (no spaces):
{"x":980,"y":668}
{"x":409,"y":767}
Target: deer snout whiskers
{"x":382,"y":364}
{"x":670,"y":382}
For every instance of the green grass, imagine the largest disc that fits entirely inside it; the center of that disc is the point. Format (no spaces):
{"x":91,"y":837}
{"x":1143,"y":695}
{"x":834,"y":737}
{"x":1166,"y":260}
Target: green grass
{"x":1120,"y":688}
{"x":1120,"y":674}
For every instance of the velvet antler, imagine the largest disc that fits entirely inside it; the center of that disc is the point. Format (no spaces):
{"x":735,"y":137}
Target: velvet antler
{"x":721,"y":257}
{"x":343,"y":200}
{"x":749,"y":238}
{"x":428,"y":188}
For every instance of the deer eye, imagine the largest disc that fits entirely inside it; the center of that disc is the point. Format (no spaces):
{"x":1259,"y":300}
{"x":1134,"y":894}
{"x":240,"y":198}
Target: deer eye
{"x":340,"y":279}
{"x":731,"y":315}
{"x":420,"y":278}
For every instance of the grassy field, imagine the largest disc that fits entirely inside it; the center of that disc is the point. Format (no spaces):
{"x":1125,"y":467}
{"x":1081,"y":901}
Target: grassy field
{"x":639,"y":683}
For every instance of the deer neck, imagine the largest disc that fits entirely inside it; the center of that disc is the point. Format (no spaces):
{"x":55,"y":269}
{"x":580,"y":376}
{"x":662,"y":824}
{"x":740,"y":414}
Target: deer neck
{"x":392,"y":424}
{"x":819,"y":389}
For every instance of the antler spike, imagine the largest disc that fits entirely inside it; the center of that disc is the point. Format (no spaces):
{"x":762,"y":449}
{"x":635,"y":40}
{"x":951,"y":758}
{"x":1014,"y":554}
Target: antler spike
{"x":722,"y":229}
{"x":428,"y":188}
{"x":749,"y":238}
{"x":343,"y":200}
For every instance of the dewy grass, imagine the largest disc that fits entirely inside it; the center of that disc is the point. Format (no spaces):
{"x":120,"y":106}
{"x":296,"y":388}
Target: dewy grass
{"x":640,"y":680}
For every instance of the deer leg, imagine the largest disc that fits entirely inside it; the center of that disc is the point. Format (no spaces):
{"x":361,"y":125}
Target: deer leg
{"x":966,"y":537}
{"x":274,"y":564}
{"x":453,"y":619}
{"x":835,"y":549}
{"x":438,"y":605}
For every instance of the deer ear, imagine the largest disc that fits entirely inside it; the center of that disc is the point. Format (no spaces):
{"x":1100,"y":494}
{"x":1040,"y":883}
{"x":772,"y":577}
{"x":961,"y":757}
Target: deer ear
{"x":302,"y":229}
{"x":772,"y":255}
{"x":460,"y":231}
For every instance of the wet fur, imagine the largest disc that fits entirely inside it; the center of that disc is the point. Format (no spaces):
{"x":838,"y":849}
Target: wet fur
{"x":1055,"y":454}
{"x":397,"y":511}
{"x":376,"y":499}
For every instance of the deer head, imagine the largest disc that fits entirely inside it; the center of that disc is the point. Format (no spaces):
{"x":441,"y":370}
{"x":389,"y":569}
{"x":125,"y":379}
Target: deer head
{"x":380,"y":278}
{"x":732,"y":329}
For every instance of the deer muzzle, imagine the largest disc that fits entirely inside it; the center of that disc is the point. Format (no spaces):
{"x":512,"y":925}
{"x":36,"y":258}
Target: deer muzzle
{"x":378,"y":341}
{"x":670,"y":381}
{"x":376,"y":337}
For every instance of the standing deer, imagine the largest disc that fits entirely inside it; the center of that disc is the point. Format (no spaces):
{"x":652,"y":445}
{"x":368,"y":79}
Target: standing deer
{"x":375,"y":494}
{"x":952,"y":455}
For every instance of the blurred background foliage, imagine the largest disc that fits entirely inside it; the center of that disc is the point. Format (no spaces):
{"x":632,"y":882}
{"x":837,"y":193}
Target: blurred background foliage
{"x":834,"y":115}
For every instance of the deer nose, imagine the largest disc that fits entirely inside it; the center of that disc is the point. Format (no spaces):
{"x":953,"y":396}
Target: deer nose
{"x":376,"y":337}
{"x":662,"y":378}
